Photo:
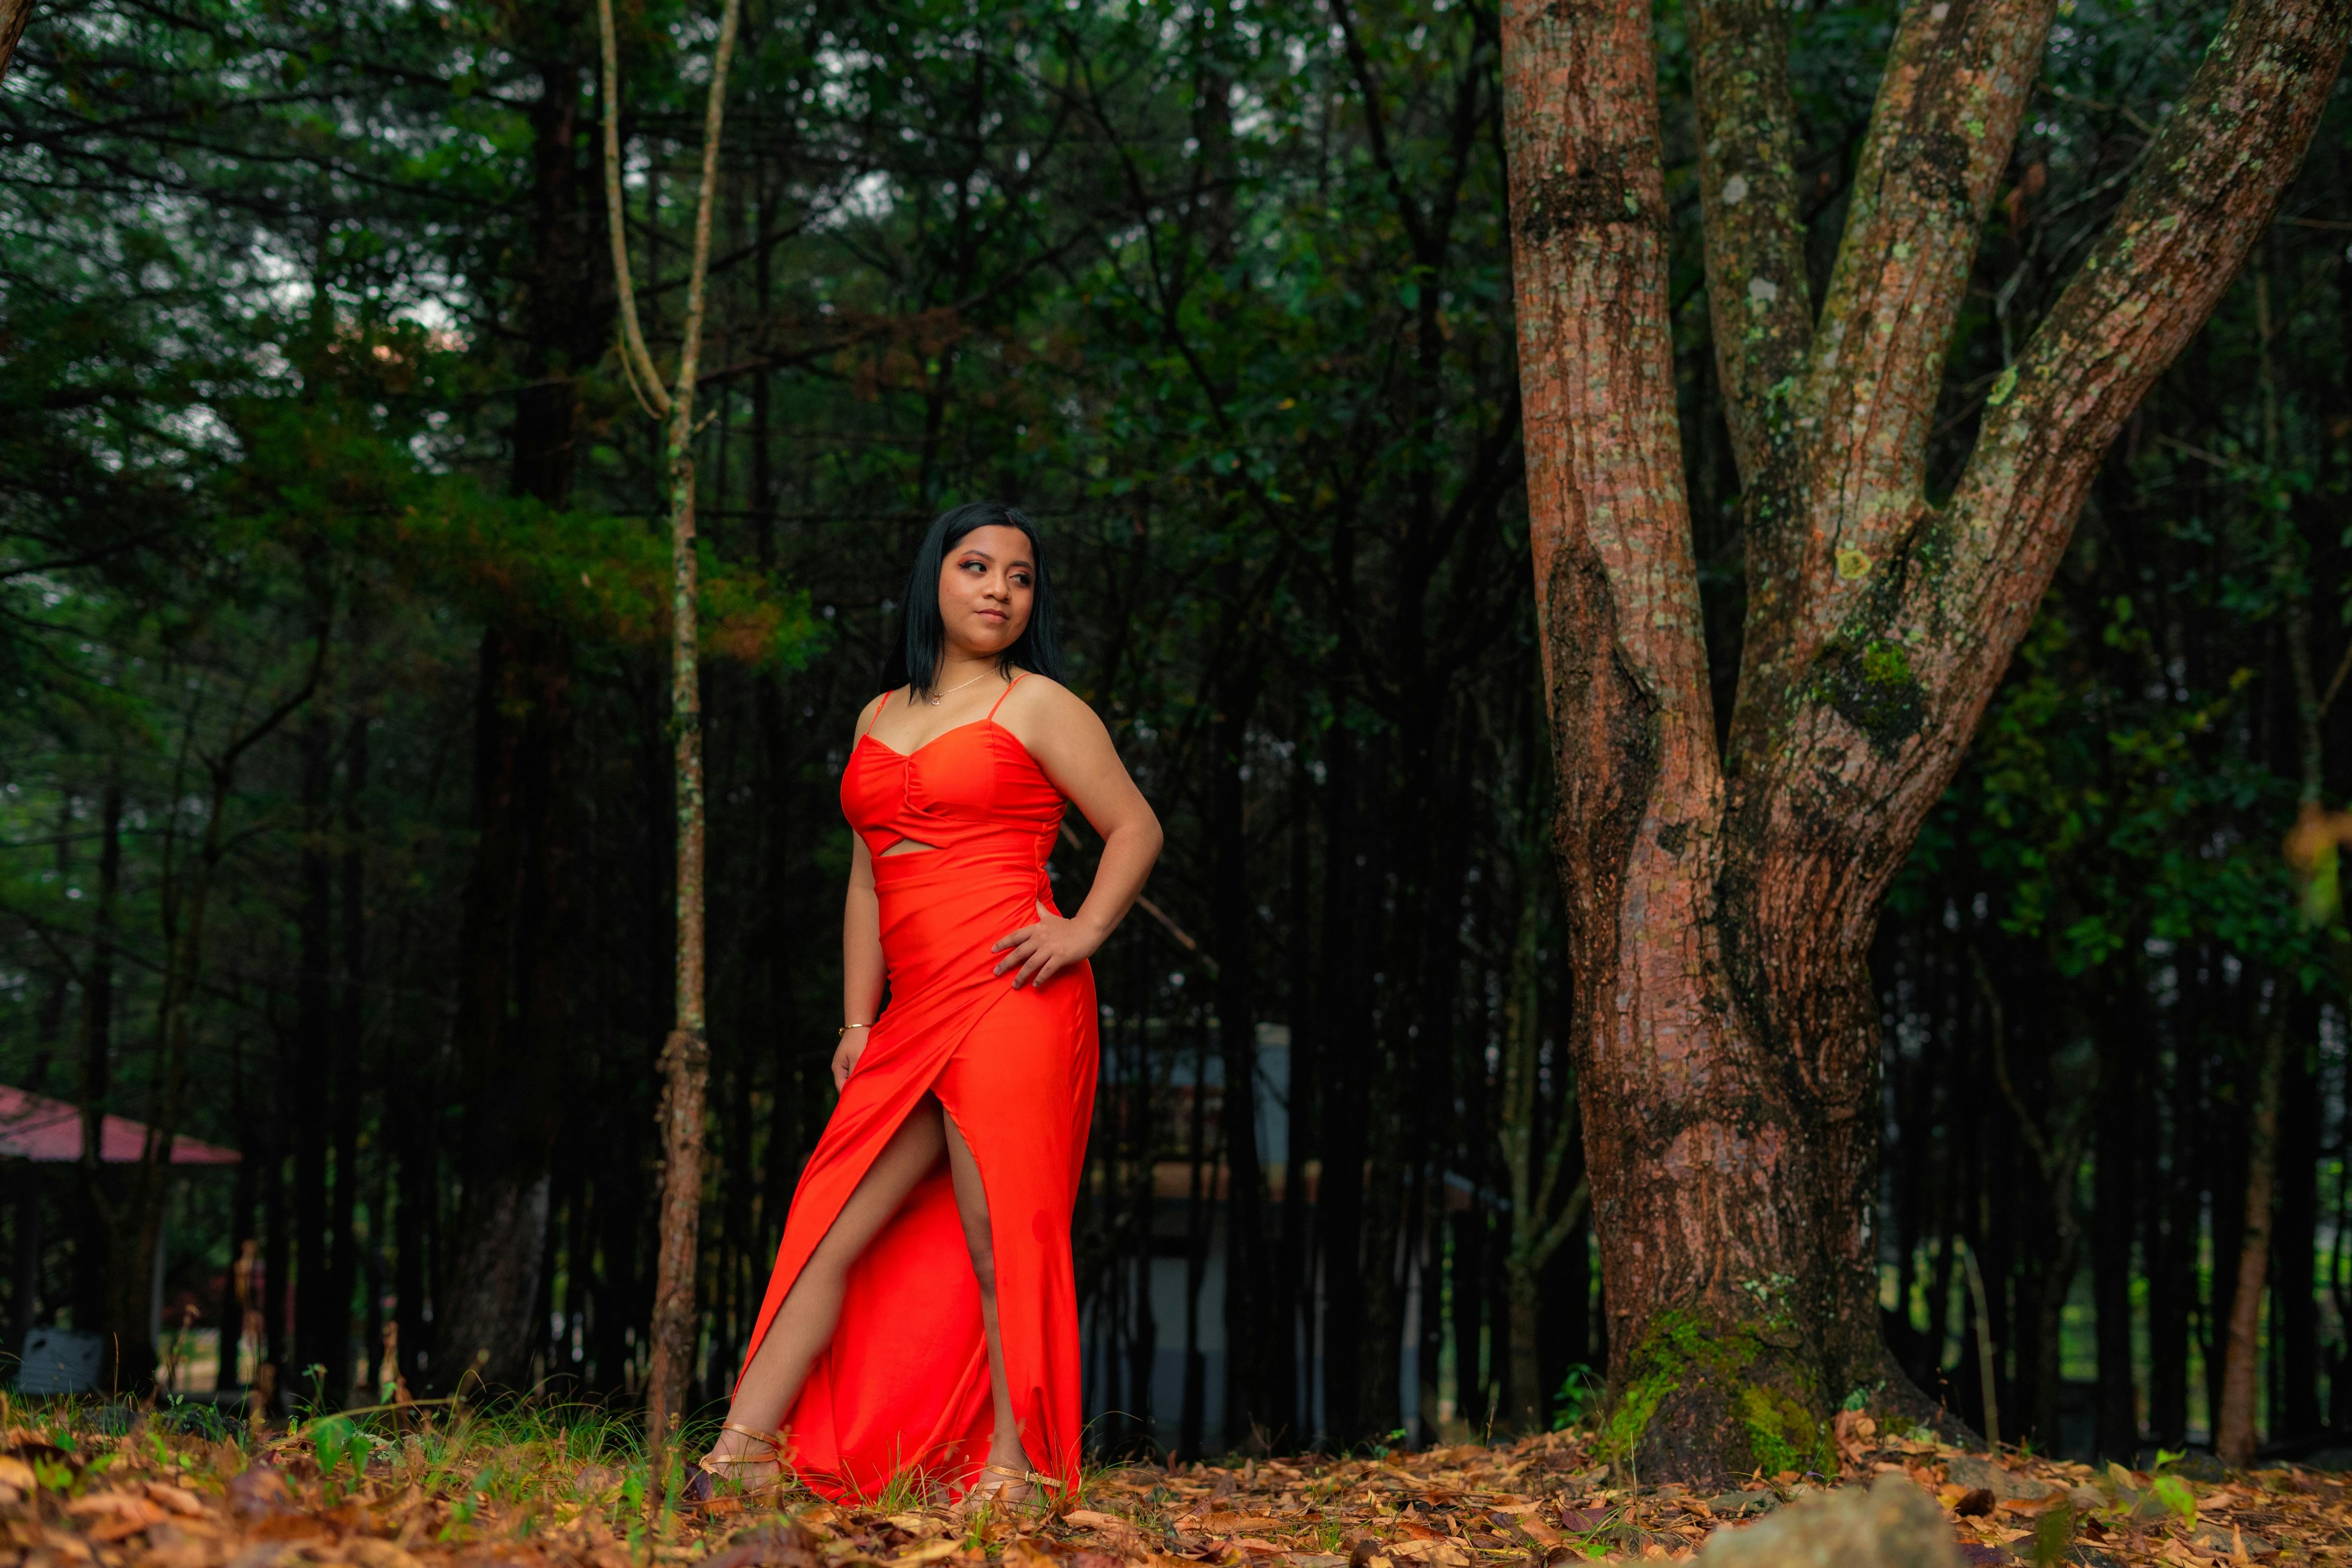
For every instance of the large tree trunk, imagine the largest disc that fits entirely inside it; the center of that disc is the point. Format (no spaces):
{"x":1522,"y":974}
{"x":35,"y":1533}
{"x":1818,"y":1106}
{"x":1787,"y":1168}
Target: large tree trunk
{"x":507,"y":1043}
{"x":513,"y":986}
{"x":1721,"y":906}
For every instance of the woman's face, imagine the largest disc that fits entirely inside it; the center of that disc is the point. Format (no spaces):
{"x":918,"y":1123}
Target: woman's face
{"x":987,"y":583}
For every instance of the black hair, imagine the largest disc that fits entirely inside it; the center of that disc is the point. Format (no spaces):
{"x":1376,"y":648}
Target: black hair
{"x":916,"y":660}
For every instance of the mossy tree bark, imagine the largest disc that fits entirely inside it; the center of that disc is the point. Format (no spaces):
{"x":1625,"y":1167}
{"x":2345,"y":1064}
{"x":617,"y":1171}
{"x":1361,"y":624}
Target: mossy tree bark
{"x":1721,"y":901}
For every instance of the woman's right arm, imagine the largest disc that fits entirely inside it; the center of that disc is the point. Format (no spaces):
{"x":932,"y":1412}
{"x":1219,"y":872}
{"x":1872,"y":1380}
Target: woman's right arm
{"x":861,"y":946}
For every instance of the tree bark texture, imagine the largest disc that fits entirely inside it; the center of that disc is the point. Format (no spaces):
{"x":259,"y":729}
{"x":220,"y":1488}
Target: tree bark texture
{"x":686,"y":1056}
{"x":1721,"y":904}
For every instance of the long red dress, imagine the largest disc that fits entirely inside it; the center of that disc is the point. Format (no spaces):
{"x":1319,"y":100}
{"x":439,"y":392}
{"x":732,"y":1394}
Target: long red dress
{"x":904,"y":1385}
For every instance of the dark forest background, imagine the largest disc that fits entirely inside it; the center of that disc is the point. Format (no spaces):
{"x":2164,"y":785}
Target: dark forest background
{"x":334,"y":766}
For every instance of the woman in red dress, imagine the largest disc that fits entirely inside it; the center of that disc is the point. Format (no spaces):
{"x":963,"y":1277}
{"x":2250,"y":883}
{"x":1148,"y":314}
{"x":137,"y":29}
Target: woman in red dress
{"x":922,"y":1317}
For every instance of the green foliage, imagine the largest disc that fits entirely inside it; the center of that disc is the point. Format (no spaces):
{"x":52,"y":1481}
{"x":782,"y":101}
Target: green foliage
{"x":1579,"y":1394}
{"x":339,"y":1446}
{"x":2176,"y":1497}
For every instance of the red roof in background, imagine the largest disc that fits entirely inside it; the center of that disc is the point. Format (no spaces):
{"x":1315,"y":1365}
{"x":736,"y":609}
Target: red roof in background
{"x":36,"y":1127}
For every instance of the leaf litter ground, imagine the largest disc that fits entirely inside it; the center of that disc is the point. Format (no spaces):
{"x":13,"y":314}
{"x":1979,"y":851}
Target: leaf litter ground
{"x":85,"y":1486}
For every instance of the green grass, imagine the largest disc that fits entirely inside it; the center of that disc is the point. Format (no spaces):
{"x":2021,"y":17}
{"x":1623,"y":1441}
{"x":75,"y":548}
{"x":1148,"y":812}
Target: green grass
{"x":499,"y":1468}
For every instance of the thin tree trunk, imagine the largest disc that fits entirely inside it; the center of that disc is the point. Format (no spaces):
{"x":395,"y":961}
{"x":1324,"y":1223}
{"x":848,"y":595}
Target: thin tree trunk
{"x":1542,"y":1217}
{"x":96,"y":1069}
{"x":2116,"y":1428}
{"x":1344,"y":1015}
{"x":686,"y":1055}
{"x":1249,"y":1395}
{"x":2234,"y":1424}
{"x":411,"y":1093}
{"x":1199,"y":1218}
{"x":2169,"y":1242}
{"x":276,"y":1251}
{"x":349,"y":1066}
{"x":1294,"y":1253}
{"x":2233,"y":1428}
{"x":2295,"y":1249}
{"x":310,"y":1073}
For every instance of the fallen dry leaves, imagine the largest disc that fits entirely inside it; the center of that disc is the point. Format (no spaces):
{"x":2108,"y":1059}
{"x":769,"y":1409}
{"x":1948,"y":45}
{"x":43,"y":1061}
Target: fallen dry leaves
{"x":148,"y":1499}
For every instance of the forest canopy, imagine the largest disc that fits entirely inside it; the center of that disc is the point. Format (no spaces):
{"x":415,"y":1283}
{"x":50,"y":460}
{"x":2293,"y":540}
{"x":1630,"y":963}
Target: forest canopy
{"x":335,"y":778}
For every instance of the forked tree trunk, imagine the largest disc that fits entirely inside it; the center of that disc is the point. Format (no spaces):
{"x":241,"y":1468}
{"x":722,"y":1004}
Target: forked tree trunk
{"x":685,"y":1054}
{"x":1721,"y":904}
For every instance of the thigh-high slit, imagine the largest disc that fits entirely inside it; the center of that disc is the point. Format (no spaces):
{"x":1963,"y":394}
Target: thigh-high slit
{"x":904,"y":1384}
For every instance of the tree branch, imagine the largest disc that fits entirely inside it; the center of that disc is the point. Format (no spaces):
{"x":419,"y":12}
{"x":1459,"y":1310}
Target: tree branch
{"x":1872,"y":658}
{"x":2212,"y":179}
{"x":1958,"y":82}
{"x":644,"y":379}
{"x":713,"y":113}
{"x":1757,"y":290}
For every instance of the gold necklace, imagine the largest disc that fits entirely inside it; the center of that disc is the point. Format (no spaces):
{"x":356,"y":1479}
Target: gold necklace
{"x":934,"y":698}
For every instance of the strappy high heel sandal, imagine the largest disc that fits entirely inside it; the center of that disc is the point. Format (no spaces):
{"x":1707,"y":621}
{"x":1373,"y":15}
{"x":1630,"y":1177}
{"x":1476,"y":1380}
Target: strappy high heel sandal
{"x":702,"y":1486}
{"x":976,"y":1497}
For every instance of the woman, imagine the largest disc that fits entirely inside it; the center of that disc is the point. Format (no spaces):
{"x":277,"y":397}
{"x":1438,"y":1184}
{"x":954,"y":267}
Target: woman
{"x":922,"y":1316}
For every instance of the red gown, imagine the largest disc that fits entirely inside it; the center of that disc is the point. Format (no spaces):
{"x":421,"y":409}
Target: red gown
{"x":903,"y":1387}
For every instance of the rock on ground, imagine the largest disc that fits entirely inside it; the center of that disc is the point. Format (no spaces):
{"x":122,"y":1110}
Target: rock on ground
{"x":1892,"y":1525}
{"x":1968,"y":1471}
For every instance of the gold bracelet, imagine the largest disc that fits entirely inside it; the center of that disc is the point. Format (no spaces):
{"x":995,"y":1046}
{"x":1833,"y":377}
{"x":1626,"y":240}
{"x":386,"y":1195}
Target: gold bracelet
{"x":845,"y":1028}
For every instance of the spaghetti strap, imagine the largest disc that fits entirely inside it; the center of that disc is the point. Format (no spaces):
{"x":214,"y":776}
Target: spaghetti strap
{"x":1006,"y":692}
{"x":902,"y":1385}
{"x":880,"y":703}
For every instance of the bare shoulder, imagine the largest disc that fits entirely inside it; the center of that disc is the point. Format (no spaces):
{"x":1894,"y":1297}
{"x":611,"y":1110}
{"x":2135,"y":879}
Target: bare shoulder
{"x":1043,"y":703}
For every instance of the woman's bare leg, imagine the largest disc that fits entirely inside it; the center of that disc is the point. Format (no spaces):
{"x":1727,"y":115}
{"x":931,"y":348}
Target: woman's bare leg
{"x":803,"y":1325}
{"x":972,"y":1204}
